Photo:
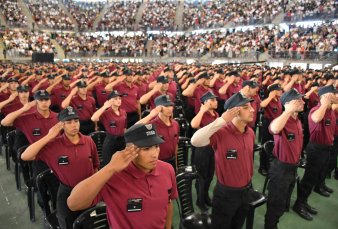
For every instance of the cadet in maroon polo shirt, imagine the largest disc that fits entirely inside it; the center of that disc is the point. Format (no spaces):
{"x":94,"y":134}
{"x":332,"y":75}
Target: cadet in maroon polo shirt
{"x":130,"y":98}
{"x":8,"y":88}
{"x":137,"y":188}
{"x":114,"y":120}
{"x":99,"y":88}
{"x":272,"y":109}
{"x":72,"y":157}
{"x":198,"y":88}
{"x":249,"y":90}
{"x":15,"y":101}
{"x":204,"y":159}
{"x":166,"y":126}
{"x":83,"y":104}
{"x":288,"y":138}
{"x":60,"y":91}
{"x":161,"y":88}
{"x":233,"y":143}
{"x":322,"y":127}
{"x":216,"y":83}
{"x":232,"y":84}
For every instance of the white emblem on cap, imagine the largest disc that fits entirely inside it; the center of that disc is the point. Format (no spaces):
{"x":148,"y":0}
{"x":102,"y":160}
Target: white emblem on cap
{"x":70,"y":110}
{"x":149,"y":126}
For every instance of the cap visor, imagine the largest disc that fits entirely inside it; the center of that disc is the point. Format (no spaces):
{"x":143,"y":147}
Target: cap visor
{"x":155,"y":140}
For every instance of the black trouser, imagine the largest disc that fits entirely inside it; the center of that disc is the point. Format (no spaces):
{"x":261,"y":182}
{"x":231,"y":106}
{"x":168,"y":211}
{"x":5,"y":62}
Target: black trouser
{"x":65,"y":216}
{"x":306,"y":132}
{"x":229,"y":207}
{"x":110,"y":145}
{"x":281,"y":184}
{"x":132,"y":118}
{"x":318,"y":157}
{"x":333,"y":156}
{"x":205,"y":166}
{"x":171,"y":161}
{"x":266,"y":136}
{"x":87,"y":127}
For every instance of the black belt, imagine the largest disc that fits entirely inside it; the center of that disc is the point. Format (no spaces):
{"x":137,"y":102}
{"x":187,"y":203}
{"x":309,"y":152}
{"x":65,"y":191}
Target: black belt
{"x":223,"y":187}
{"x":114,"y":137}
{"x":321,"y":146}
{"x":285,"y":165}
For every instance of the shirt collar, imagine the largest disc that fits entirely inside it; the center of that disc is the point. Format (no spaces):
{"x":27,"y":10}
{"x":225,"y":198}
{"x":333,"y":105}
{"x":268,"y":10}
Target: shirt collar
{"x":235,"y":130}
{"x":40,"y":117}
{"x":66,"y":141}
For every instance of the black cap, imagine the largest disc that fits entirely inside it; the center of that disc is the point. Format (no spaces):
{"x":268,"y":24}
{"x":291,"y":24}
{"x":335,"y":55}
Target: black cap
{"x":41,"y":94}
{"x":328,"y":76}
{"x":250,"y":83}
{"x":66,"y":77}
{"x":275,"y":87}
{"x":208,"y":95}
{"x":22,"y":88}
{"x":81,"y":84}
{"x":163,"y":100}
{"x":192,"y":80}
{"x":233,"y":73}
{"x":3,"y":80}
{"x":68,"y":114}
{"x":204,"y":75}
{"x":327,"y":89}
{"x":51,"y":76}
{"x":143,"y":135}
{"x":127,"y":72}
{"x":290,"y":95}
{"x":104,"y":74}
{"x":13,"y":79}
{"x":114,"y":94}
{"x":236,"y":100}
{"x":315,"y":84}
{"x":219,"y":71}
{"x":162,"y":79}
{"x":294,"y":72}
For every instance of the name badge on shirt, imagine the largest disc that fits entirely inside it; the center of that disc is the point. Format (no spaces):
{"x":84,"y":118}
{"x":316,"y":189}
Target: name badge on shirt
{"x":327,"y":122}
{"x":80,"y":107}
{"x":103,"y":92}
{"x":231,"y":154}
{"x":134,"y":205}
{"x":274,"y":110}
{"x":62,"y":96}
{"x":336,"y":121}
{"x":63,"y":160}
{"x":36,"y":132}
{"x":112,"y":124}
{"x":291,"y":137}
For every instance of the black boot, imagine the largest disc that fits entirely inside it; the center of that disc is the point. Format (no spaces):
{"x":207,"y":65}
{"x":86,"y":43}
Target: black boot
{"x":336,"y":174}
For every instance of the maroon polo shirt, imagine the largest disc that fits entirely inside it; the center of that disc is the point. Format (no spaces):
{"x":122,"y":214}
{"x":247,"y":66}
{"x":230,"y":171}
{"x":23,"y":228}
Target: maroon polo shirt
{"x":143,"y":89}
{"x":154,"y":96}
{"x":198,"y":93}
{"x":218,"y":84}
{"x":84,"y":107}
{"x":4,"y":96}
{"x":82,"y":158}
{"x":154,"y":189}
{"x":322,"y":132}
{"x":313,"y":100}
{"x":238,"y":172}
{"x":289,"y":142}
{"x":114,"y":124}
{"x":208,"y":118}
{"x":170,"y":135}
{"x":59,"y":93}
{"x":101,"y":93}
{"x":255,"y":105}
{"x":34,"y":125}
{"x":44,"y":85}
{"x":233,"y":89}
{"x":273,"y":109}
{"x":130,"y":99}
{"x":172,"y":88}
{"x":336,"y":129}
{"x":300,"y":87}
{"x":14,"y":107}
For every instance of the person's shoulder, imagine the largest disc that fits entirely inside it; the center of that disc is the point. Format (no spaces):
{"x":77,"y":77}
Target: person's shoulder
{"x":164,"y":167}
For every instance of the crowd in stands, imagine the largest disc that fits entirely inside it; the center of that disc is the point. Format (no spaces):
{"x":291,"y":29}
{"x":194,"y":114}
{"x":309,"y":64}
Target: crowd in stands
{"x":159,"y":15}
{"x":13,"y":13}
{"x":120,"y":16}
{"x":48,"y":14}
{"x":24,"y":44}
{"x":84,"y":12}
{"x":79,"y":44}
{"x":212,"y":14}
{"x":311,"y":9}
{"x":122,"y":46}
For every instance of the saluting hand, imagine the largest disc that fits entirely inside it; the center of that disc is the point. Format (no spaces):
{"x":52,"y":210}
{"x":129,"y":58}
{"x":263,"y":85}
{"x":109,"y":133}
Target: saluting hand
{"x":55,"y":130}
{"x":326,"y":99}
{"x":204,"y":108}
{"x":230,"y":114}
{"x":292,"y":106}
{"x":121,"y":159}
{"x":29,"y":105}
{"x":108,"y":103}
{"x":74,"y":91}
{"x":13,"y":96}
